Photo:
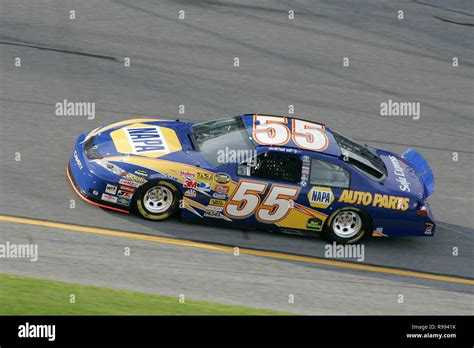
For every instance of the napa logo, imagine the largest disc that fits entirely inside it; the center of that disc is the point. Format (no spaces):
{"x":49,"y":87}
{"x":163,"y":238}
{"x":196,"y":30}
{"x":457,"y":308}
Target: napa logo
{"x":145,"y":140}
{"x":320,"y":197}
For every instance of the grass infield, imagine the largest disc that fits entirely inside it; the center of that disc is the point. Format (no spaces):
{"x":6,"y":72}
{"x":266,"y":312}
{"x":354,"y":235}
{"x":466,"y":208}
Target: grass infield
{"x":31,"y":296}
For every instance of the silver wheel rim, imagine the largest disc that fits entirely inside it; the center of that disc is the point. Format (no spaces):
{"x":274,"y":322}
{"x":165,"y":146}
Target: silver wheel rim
{"x":158,"y":199}
{"x":347,"y":224}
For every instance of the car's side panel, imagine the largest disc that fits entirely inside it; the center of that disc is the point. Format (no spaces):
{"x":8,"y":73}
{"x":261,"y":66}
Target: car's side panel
{"x":209,"y":194}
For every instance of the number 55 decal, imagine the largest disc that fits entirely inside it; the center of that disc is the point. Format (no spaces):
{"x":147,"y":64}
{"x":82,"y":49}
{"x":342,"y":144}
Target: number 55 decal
{"x":246,"y":200}
{"x":272,"y":130}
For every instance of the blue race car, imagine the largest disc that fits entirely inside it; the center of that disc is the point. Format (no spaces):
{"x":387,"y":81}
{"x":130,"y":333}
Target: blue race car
{"x":255,"y":171}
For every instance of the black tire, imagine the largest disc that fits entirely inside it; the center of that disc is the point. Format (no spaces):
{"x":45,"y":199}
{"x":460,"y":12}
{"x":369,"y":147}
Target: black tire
{"x":147,"y":213}
{"x":337,"y":236}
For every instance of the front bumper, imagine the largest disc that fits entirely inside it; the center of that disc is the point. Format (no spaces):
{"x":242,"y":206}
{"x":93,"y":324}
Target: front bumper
{"x":88,"y":184}
{"x":90,"y":198}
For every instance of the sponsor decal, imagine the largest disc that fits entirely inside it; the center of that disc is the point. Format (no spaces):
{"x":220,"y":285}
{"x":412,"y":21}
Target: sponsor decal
{"x":304,"y":174}
{"x":163,"y":176}
{"x":429,"y":228}
{"x":124,"y":194}
{"x":320,"y":197}
{"x":213,"y":214}
{"x":146,"y":139}
{"x":314,"y":224}
{"x":190,"y":193}
{"x":400,"y":174}
{"x":123,"y":201}
{"x":204,"y":176}
{"x":109,"y":198}
{"x":129,"y":183}
{"x":375,"y":200}
{"x":78,"y":161}
{"x":187,"y":174}
{"x":127,"y":188}
{"x":222,"y":189}
{"x":202,"y":186}
{"x":305,"y":168}
{"x":111,"y":189}
{"x":141,"y":172}
{"x":378,"y":232}
{"x":136,"y":178}
{"x":188,"y":183}
{"x":217,"y":202}
{"x":95,"y":193}
{"x":214,"y":208}
{"x":222,"y":178}
{"x":284,"y":149}
{"x":216,"y":215}
{"x":219,"y":196}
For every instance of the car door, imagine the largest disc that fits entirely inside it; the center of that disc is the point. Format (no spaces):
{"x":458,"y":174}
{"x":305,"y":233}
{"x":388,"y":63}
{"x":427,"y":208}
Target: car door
{"x":326,"y":180}
{"x":266,"y":189}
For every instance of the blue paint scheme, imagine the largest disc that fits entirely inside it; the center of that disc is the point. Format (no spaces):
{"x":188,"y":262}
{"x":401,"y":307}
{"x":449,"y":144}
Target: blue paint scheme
{"x":392,"y":222}
{"x":422,"y":168}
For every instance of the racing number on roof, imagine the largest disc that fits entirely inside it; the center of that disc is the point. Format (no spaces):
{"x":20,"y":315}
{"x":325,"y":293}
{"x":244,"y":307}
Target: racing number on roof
{"x":309,"y":136}
{"x":245,"y":201}
{"x":272,"y":130}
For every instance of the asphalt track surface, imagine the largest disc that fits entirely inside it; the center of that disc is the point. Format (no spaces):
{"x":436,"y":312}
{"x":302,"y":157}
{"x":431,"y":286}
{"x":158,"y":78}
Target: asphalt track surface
{"x":190,"y":62}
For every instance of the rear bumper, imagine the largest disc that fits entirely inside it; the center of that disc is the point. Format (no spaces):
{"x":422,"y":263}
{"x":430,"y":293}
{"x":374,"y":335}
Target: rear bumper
{"x":430,"y":225}
{"x":403,"y":224}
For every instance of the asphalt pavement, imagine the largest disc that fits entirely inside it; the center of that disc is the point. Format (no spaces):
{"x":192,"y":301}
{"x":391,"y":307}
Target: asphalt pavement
{"x":282,"y":62}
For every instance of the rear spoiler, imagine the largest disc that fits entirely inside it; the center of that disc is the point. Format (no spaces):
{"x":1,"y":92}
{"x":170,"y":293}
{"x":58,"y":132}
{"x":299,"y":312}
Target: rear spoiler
{"x":422,"y":168}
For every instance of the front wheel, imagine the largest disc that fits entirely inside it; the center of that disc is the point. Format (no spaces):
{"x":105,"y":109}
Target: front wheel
{"x":157,"y":201}
{"x":347,"y":226}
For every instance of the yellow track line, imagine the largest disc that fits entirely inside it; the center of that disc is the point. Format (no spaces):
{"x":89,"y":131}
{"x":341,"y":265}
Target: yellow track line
{"x":269,"y":254}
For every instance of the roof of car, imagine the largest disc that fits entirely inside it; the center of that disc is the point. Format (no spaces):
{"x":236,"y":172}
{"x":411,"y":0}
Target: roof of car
{"x":253,"y":121}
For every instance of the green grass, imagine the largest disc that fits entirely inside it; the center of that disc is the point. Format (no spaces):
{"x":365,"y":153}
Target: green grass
{"x":31,"y":296}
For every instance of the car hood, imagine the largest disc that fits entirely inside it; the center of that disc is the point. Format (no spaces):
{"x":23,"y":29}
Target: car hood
{"x":138,"y":137}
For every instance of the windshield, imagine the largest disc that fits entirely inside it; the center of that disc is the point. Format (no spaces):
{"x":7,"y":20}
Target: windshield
{"x":361,"y":157}
{"x":223,"y":141}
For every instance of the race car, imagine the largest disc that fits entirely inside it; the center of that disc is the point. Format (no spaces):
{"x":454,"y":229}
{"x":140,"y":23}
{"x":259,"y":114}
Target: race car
{"x":255,"y":171}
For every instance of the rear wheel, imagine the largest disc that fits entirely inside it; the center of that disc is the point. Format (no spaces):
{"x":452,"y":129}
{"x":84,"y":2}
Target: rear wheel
{"x":157,"y":201}
{"x":347,"y":226}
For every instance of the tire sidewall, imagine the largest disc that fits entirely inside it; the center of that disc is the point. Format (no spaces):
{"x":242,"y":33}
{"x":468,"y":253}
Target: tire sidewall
{"x":363,"y":233}
{"x":140,"y":207}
